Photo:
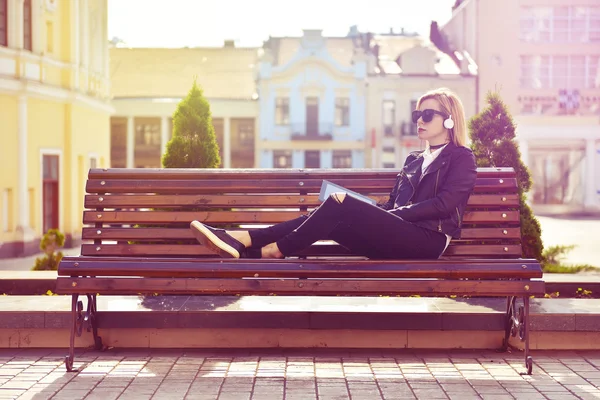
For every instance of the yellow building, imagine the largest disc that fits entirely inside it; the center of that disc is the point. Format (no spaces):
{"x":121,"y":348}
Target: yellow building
{"x":54,"y":115}
{"x":148,"y":83}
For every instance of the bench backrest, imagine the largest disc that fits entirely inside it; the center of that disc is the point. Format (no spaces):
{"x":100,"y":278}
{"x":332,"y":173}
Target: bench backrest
{"x":146,"y":212}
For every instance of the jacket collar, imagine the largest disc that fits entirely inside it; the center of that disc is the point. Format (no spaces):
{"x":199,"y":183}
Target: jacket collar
{"x":413,"y":169}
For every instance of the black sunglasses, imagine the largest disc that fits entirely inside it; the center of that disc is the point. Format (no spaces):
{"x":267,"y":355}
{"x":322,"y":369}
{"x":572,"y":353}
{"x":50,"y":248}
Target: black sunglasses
{"x":426,"y":114}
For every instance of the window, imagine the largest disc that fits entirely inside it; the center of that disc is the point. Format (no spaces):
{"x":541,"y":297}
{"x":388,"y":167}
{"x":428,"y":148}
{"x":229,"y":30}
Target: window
{"x":312,"y":159}
{"x":578,"y":25}
{"x":118,"y":142}
{"x":50,"y":189}
{"x":389,"y":117}
{"x":559,"y":72}
{"x":592,"y":76}
{"x":594,"y":26}
{"x":536,"y":23}
{"x":557,"y":174}
{"x":245,"y":133}
{"x":342,"y":159}
{"x":3,"y":22}
{"x":27,"y":45}
{"x":409,"y":128}
{"x":242,"y":143}
{"x":565,"y":24}
{"x":282,"y":159}
{"x":560,"y":25}
{"x":577,"y":78}
{"x":147,"y":134}
{"x":342,"y":111}
{"x":282,"y":111}
{"x":146,"y":153}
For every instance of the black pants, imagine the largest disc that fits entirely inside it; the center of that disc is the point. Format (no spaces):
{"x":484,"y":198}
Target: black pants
{"x":363,"y":228}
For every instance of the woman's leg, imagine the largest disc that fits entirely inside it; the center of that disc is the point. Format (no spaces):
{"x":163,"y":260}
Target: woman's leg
{"x":408,"y":241}
{"x":365,"y":229}
{"x":263,"y":236}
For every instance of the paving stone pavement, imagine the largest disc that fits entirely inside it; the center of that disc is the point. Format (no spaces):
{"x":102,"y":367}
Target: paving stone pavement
{"x":297,"y":375}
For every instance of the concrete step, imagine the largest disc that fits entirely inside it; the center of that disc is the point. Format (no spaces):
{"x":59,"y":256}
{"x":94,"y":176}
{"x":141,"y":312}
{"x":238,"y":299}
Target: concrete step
{"x":273,"y":321}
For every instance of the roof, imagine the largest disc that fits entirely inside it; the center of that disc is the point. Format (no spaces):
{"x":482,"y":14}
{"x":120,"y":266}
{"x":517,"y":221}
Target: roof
{"x":222,"y":72}
{"x":341,"y":49}
{"x":390,"y":47}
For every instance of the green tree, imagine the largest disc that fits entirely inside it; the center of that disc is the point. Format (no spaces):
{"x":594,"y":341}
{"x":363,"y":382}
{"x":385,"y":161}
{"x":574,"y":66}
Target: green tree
{"x":493,"y":142}
{"x":194,"y":144}
{"x":51,"y":241}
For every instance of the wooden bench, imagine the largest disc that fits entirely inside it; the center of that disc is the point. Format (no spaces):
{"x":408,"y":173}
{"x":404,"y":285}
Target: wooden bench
{"x":137,"y":241}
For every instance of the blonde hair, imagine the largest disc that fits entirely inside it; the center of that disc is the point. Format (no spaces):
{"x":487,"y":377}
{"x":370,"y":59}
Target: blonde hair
{"x":451,"y":105}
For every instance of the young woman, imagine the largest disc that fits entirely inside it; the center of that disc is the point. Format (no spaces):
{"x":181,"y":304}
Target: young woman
{"x":423,"y":213}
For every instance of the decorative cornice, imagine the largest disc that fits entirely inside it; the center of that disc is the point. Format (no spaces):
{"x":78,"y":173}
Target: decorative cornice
{"x":40,"y":90}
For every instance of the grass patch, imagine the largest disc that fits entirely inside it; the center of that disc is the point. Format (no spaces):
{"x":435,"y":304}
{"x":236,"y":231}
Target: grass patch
{"x":553,"y":261}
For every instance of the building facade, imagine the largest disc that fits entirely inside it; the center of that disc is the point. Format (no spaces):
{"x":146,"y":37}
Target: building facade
{"x":407,"y":67}
{"x":54,"y":116}
{"x":345,"y":102}
{"x":147,"y":85}
{"x":544,"y":58}
{"x":312,"y":93}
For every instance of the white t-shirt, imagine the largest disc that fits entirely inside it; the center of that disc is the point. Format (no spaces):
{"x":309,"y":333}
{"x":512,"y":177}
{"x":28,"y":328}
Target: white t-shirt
{"x":429,"y":156}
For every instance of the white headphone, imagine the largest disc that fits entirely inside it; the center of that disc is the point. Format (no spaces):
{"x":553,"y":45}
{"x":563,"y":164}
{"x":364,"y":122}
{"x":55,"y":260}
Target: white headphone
{"x":449,"y":122}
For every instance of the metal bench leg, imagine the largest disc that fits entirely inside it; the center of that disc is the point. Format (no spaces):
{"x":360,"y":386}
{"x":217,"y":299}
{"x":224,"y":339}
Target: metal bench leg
{"x":508,"y":321}
{"x":517,"y":322}
{"x":76,"y":325}
{"x":525,"y":336}
{"x":79,"y":319}
{"x":91,"y":321}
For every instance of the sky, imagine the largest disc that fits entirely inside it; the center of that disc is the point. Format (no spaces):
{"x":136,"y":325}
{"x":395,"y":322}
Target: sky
{"x":199,"y":23}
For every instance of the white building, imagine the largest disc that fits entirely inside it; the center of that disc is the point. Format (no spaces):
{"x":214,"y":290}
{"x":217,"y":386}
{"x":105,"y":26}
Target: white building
{"x":312,"y":103}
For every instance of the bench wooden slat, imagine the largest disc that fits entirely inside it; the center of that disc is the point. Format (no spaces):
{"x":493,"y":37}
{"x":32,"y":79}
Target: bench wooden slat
{"x":266,"y":217}
{"x":443,"y":269}
{"x":227,"y":185}
{"x":463,"y":250}
{"x":334,"y":261}
{"x":316,"y":250}
{"x":309,"y":185}
{"x":291,"y":200}
{"x":263,"y":173}
{"x":162,"y":234}
{"x":295,"y":287}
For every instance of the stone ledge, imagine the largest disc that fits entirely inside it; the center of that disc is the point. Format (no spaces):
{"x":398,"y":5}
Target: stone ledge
{"x":295,"y":339}
{"x":258,"y":320}
{"x":313,"y":313}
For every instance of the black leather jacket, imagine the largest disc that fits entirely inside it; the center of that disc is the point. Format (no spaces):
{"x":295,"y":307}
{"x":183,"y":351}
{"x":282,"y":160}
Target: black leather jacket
{"x":438,"y":199}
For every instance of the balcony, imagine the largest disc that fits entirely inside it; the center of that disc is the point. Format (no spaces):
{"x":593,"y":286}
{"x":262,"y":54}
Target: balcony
{"x":321,"y":131}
